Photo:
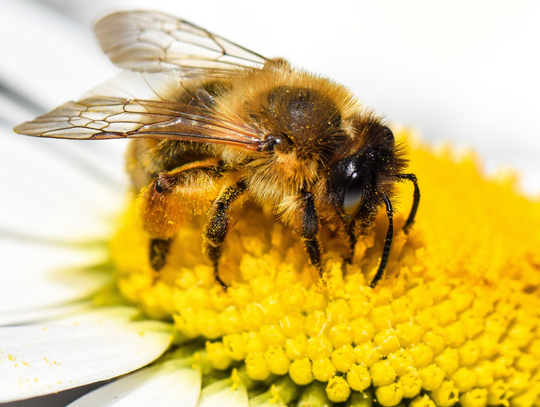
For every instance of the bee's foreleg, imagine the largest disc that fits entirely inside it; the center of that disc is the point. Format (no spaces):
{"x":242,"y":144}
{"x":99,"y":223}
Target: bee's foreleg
{"x":218,"y":224}
{"x":310,"y":230}
{"x":349,"y":232}
{"x":416,"y":200}
{"x":387,"y":243}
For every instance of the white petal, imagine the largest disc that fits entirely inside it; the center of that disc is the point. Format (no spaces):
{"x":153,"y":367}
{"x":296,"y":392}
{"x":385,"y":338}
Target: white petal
{"x":13,"y":110}
{"x":43,"y":313}
{"x":35,"y":275}
{"x":52,"y":191}
{"x":99,"y":345}
{"x":224,"y":393}
{"x":173,"y":383}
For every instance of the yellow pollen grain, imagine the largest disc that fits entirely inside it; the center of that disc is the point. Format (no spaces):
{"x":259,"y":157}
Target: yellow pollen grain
{"x":409,"y":334}
{"x":235,"y":345}
{"x":474,"y":398}
{"x":293,"y":324}
{"x":315,"y":323}
{"x":464,"y":379}
{"x":382,"y":373}
{"x":386,"y":342}
{"x":448,"y":361}
{"x":498,"y":394}
{"x":272,"y":335}
{"x":323,"y":369}
{"x":230,"y":321}
{"x":296,"y":348}
{"x":382,"y":317}
{"x":421,"y":354}
{"x":454,"y":319}
{"x":446,"y":395}
{"x":343,"y":358}
{"x":338,"y":389}
{"x":293,"y":297}
{"x":468,"y":353}
{"x":411,"y":384}
{"x":218,"y":355}
{"x":277,"y":361}
{"x":362,"y":329}
{"x":422,"y":401}
{"x":485,"y":374}
{"x":435,"y":341}
{"x":252,"y":317}
{"x":366,"y":354}
{"x":319,"y":346}
{"x":300,"y":371}
{"x":208,"y":325}
{"x":359,"y":378}
{"x":432,"y":377}
{"x":341,"y":334}
{"x":254,"y":342}
{"x":256,"y":366}
{"x":390,"y":395}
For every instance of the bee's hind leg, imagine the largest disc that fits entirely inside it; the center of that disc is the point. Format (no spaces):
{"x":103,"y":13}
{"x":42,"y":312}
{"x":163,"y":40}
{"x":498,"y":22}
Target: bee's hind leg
{"x":218,"y":224}
{"x":162,"y":204}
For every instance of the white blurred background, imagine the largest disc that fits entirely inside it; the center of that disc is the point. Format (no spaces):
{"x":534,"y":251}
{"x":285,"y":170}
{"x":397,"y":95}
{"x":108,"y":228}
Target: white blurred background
{"x":461,"y":71}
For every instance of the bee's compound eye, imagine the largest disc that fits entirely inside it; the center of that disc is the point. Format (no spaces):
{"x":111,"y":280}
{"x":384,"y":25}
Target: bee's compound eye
{"x":354,"y":194}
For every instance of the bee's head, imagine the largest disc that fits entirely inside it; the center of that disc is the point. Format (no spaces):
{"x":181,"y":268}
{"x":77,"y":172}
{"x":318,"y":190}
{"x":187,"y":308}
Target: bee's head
{"x":357,"y":182}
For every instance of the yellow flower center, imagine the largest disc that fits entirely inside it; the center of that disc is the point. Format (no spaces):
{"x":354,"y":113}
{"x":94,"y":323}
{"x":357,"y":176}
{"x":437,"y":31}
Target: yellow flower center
{"x":454,"y":320}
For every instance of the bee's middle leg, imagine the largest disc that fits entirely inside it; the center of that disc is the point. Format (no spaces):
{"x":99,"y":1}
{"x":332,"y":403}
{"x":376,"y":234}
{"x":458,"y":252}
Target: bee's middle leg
{"x":309,"y":230}
{"x":217,"y":226}
{"x":159,"y":250}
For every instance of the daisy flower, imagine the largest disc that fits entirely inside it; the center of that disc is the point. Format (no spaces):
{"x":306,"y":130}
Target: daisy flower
{"x":454,"y":321}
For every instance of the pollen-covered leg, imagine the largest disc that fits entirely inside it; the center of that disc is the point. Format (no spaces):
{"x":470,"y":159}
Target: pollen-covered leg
{"x":217,"y":226}
{"x":170,"y":198}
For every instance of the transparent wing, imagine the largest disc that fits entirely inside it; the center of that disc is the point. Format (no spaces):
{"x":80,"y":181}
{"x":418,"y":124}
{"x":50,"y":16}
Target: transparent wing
{"x":151,"y":42}
{"x":108,"y":118}
{"x":169,"y":85}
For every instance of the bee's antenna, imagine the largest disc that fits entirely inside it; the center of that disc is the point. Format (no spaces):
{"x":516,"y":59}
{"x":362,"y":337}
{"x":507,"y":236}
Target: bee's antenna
{"x":387,"y":242}
{"x":416,"y":200}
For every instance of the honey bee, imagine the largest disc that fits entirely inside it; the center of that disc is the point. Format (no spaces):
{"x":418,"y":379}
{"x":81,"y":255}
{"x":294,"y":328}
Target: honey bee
{"x":220,"y":122}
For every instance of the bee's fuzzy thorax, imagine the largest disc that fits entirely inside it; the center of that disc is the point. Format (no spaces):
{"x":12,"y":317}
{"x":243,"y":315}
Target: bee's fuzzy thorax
{"x":244,"y":100}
